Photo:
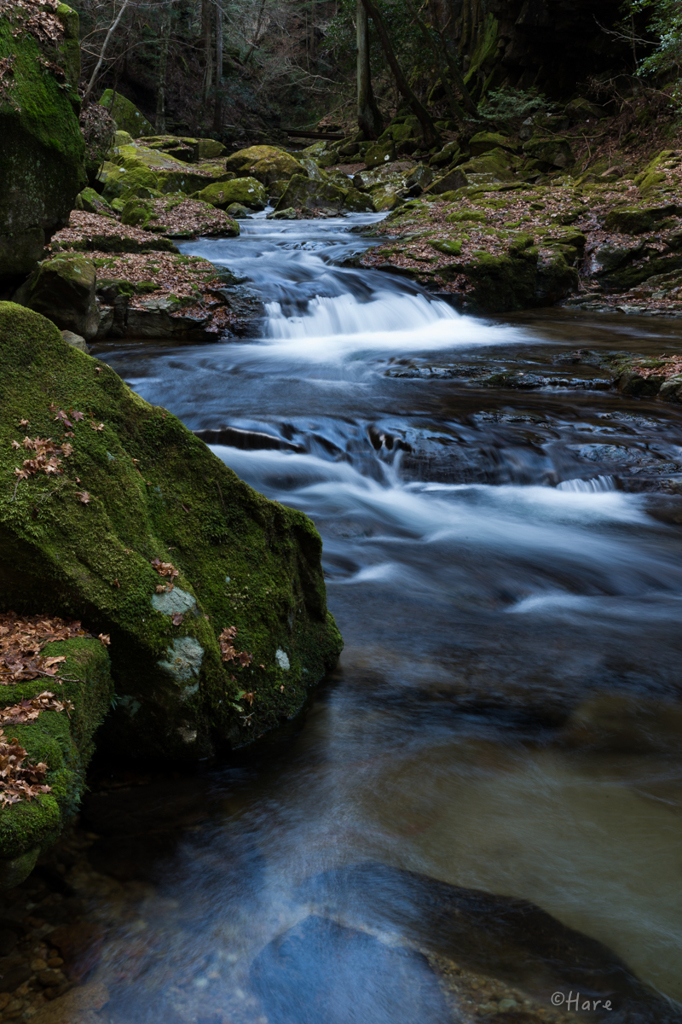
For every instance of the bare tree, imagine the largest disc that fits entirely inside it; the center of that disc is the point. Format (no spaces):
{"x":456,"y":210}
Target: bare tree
{"x":164,"y":40}
{"x":428,"y":128}
{"x":369,"y":118}
{"x":102,"y":53}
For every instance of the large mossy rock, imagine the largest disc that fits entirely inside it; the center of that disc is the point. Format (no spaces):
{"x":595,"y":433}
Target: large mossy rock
{"x":126,"y":115}
{"x":42,"y":150}
{"x":64,"y":742}
{"x":64,"y":290}
{"x":303,"y":194}
{"x":266,"y":163}
{"x":247,"y":191}
{"x":140,"y":487}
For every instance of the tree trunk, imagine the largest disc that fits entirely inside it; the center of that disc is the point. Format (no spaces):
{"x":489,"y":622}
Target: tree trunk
{"x":428,"y":128}
{"x":218,"y":108}
{"x":163,"y":63}
{"x":456,"y":74}
{"x":105,"y":44}
{"x":207,"y":33}
{"x":369,"y":118}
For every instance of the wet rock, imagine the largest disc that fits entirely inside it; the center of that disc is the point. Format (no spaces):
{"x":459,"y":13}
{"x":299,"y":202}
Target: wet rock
{"x":80,"y":945}
{"x":304,"y":194}
{"x":321,"y":973}
{"x":98,"y":557}
{"x":508,"y":938}
{"x":550,"y":152}
{"x":77,"y":340}
{"x":624,"y":723}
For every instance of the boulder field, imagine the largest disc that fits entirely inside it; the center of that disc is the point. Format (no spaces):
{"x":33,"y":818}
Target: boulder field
{"x":113,"y":513}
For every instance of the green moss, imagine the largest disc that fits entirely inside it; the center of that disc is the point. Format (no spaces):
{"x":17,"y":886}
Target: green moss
{"x":156,"y":491}
{"x":42,"y":152}
{"x":126,"y":115}
{"x":62,"y":741}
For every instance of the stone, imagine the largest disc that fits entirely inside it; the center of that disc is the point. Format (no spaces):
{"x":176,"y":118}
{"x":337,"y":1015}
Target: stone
{"x":380,"y":153}
{"x":639,"y":220}
{"x":449,"y":182}
{"x":304,"y":194}
{"x":79,"y":1006}
{"x":483,"y":142}
{"x":64,"y":290}
{"x":447,"y":155}
{"x":495,"y":163}
{"x":265,"y":163}
{"x":151,"y":479}
{"x":237,"y":210}
{"x":126,"y":115}
{"x":76,"y":340}
{"x":42,"y":153}
{"x":552,"y":152}
{"x":210,"y":149}
{"x":245,"y":191}
{"x":63,"y":742}
{"x":93,"y":202}
{"x":321,"y":971}
{"x":419,"y":178}
{"x":581,"y":109}
{"x":624,"y":723}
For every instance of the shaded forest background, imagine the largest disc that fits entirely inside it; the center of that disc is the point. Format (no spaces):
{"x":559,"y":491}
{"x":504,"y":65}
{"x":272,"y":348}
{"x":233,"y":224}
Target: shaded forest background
{"x":243,"y":68}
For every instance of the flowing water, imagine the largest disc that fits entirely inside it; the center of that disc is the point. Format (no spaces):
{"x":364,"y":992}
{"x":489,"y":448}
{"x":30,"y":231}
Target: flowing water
{"x":504,"y":565}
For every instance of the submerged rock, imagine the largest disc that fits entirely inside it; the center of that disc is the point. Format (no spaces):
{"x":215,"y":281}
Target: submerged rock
{"x":134,"y":506}
{"x":42,"y":152}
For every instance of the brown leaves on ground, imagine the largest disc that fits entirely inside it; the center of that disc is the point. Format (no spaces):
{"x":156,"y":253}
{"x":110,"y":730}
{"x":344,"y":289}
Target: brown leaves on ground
{"x":30,"y":16}
{"x":672,"y":366}
{"x":228,"y":651}
{"x":84,"y":228}
{"x":19,"y":780}
{"x":189,"y":217}
{"x":104,"y":639}
{"x":28,"y":709}
{"x":22,"y":640}
{"x":166,"y":569}
{"x":84,"y":497}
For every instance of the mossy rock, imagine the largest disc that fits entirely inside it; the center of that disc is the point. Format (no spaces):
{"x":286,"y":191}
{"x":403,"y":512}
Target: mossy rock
{"x":388,"y":198}
{"x":63,"y":290}
{"x":42,"y":154}
{"x":380,"y":153}
{"x":155,"y":492}
{"x":137,"y":213}
{"x":449,"y":182}
{"x":550,"y":153}
{"x":483,"y":142}
{"x":246,"y":191}
{"x":265,"y":163}
{"x":497,"y":163}
{"x":447,"y":155}
{"x":93,"y":202}
{"x":64,"y":742}
{"x":638,"y":220}
{"x":304,"y":194}
{"x":126,"y":115}
{"x":134,"y":180}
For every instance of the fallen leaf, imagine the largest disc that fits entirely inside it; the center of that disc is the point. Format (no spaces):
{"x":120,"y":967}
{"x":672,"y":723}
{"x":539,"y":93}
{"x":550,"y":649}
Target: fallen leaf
{"x":104,"y":639}
{"x":83,"y":497}
{"x":23,"y":423}
{"x":176,"y":618}
{"x":78,"y":416}
{"x":116,"y":584}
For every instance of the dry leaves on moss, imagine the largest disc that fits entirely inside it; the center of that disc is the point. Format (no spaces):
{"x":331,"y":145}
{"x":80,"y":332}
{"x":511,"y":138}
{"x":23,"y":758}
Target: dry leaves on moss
{"x":22,"y":640}
{"x":19,"y":780}
{"x":165,"y":569}
{"x":228,"y":652}
{"x":28,"y":709}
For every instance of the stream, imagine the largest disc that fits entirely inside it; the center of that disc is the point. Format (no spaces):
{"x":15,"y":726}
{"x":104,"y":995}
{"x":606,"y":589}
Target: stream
{"x":504,"y":566}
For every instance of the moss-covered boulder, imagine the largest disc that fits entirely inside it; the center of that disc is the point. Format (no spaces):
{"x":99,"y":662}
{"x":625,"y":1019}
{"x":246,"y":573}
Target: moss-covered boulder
{"x":380,"y":153}
{"x":246,"y":191}
{"x":449,"y":182}
{"x":42,"y":151}
{"x":265,"y":163}
{"x":64,"y":290}
{"x":126,"y":115}
{"x":637,"y":220}
{"x":92,"y":202}
{"x":550,"y":152}
{"x":213,"y":595}
{"x":484,"y":142}
{"x":63,"y":741}
{"x":306,"y":195}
